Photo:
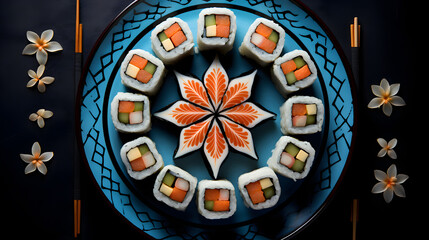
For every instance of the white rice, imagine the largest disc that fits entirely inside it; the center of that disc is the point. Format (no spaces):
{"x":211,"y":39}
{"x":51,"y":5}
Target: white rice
{"x":286,"y":116}
{"x":178,"y":172}
{"x":279,"y":78}
{"x":151,"y":87}
{"x":184,"y":49}
{"x":222,"y":44}
{"x":250,"y":50}
{"x":131,"y":128}
{"x":254,"y":176}
{"x":216,"y":184}
{"x":274,"y":161}
{"x":138,"y":175}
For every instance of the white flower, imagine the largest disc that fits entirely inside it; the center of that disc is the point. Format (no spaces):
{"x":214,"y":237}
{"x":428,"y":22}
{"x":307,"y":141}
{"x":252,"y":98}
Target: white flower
{"x":386,"y":96}
{"x":387,"y":147}
{"x":389,"y":183}
{"x":40,"y":45}
{"x":37,"y":77}
{"x":39,"y":116}
{"x":36,"y":160}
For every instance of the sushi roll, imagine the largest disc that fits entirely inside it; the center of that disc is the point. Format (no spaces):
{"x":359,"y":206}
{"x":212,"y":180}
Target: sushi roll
{"x":175,"y":187}
{"x":172,"y":40}
{"x":301,"y":115}
{"x":130,"y":113}
{"x":141,"y":158}
{"x":292,"y":158}
{"x":260,"y":188}
{"x":293,"y":71}
{"x":216,"y":29}
{"x":263,"y":41}
{"x":216,"y":199}
{"x":142,"y":71}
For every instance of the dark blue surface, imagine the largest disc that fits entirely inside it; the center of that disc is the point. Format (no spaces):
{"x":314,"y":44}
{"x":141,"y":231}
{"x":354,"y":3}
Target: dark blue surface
{"x":41,"y":206}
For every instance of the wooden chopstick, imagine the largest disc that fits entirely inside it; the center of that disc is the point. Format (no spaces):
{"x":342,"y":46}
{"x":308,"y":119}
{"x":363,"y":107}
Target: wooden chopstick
{"x":355,"y":33}
{"x":354,"y":217}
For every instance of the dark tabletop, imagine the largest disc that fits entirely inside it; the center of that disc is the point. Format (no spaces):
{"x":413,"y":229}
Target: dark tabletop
{"x":41,"y":206}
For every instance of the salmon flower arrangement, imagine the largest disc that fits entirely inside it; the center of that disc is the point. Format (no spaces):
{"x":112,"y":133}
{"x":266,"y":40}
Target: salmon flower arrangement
{"x":215,"y":115}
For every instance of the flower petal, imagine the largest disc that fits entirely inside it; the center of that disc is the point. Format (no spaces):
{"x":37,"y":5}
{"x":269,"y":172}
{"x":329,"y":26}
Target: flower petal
{"x":382,"y":153}
{"x":26,"y":157}
{"x":401,"y":178}
{"x":216,"y":81}
{"x":192,"y":137}
{"x":42,"y":57}
{"x":30,"y":168}
{"x":382,"y":142}
{"x":399,"y":190}
{"x":32,"y":74}
{"x":41,"y":87}
{"x":40,"y":122}
{"x":377,"y":90}
{"x":375,"y":103}
{"x":380,"y":175}
{"x":387,"y":109}
{"x":46,"y":156}
{"x":388,"y":195}
{"x":183,"y":113}
{"x":247,"y":114}
{"x":32,"y":82}
{"x":47,"y":35}
{"x":215,"y":148}
{"x":238,"y":137}
{"x":238,"y":91}
{"x":397,"y":101}
{"x":193,"y":90}
{"x":40,"y":71}
{"x":392,"y":154}
{"x":33,"y":117}
{"x":385,"y":85}
{"x":42,"y":168}
{"x":53,"y":47}
{"x":394,"y":89}
{"x":392,"y":143}
{"x":391,"y":171}
{"x":32,"y":36}
{"x":379,"y":187}
{"x":47,"y":80}
{"x":30,"y":49}
{"x":47,"y":114}
{"x":35,"y":149}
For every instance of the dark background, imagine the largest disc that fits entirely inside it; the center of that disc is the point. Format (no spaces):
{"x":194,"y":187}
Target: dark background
{"x":41,"y":207}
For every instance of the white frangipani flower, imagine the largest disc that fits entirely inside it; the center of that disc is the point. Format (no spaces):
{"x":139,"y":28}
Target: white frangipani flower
{"x":37,"y":77}
{"x":36,"y":160}
{"x":390,"y":183}
{"x":39,"y":116}
{"x":40,"y":45}
{"x":387,"y":147}
{"x":386,"y":96}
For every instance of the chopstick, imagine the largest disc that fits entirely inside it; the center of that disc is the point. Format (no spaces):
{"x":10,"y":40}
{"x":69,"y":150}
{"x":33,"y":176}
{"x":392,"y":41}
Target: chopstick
{"x":354,"y":217}
{"x":355,"y":33}
{"x":76,"y":163}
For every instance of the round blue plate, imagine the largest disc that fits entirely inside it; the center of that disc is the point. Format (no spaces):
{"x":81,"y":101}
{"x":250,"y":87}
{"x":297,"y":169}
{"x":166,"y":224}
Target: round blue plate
{"x":300,"y":201}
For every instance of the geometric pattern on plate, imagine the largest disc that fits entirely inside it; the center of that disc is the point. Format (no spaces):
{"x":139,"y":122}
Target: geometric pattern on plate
{"x":214,"y":113}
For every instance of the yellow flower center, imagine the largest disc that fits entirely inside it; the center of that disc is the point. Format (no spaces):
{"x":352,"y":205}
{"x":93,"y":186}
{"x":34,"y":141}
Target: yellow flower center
{"x":390,"y":182}
{"x":386,"y":98}
{"x":41,"y":44}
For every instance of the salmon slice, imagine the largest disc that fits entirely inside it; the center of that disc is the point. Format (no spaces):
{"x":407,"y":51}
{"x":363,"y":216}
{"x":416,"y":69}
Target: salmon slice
{"x":138,"y":61}
{"x":222,"y":31}
{"x":263,"y":43}
{"x":263,"y":30}
{"x":221,"y":206}
{"x":172,"y":30}
{"x":288,"y":66}
{"x":302,"y":73}
{"x":223,"y":20}
{"x":211,"y":194}
{"x":126,"y":106}
{"x":299,"y":109}
{"x":178,"y":38}
{"x":143,"y":76}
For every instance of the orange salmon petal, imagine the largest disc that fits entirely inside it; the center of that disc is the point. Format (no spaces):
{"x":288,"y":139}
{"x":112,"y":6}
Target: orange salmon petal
{"x":193,"y":90}
{"x":238,"y":137}
{"x":247,"y":114}
{"x":215,"y":148}
{"x":192,"y":137}
{"x":182,"y":113}
{"x":216,"y":81}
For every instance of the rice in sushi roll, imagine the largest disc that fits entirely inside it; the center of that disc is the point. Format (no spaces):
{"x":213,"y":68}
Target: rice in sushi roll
{"x":216,"y":199}
{"x":260,"y":188}
{"x":172,"y":40}
{"x":141,"y":158}
{"x":301,"y":115}
{"x":142,"y":71}
{"x":263,"y":41}
{"x":216,"y":29}
{"x":175,"y":187}
{"x":130,"y":113}
{"x":292,"y":158}
{"x":293,"y":71}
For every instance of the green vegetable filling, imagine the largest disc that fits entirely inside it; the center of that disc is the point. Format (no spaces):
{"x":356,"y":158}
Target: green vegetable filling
{"x":169,"y":179}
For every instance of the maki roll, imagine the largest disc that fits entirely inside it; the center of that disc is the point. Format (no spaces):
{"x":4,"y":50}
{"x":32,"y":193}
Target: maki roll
{"x":216,"y":199}
{"x":301,"y":115}
{"x":175,"y":187}
{"x":141,"y":158}
{"x":216,"y":29}
{"x":292,"y":158}
{"x":130,"y":113}
{"x":260,"y":188}
{"x":142,"y":71}
{"x":293,"y":71}
{"x":172,"y":40}
{"x":263,"y":41}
